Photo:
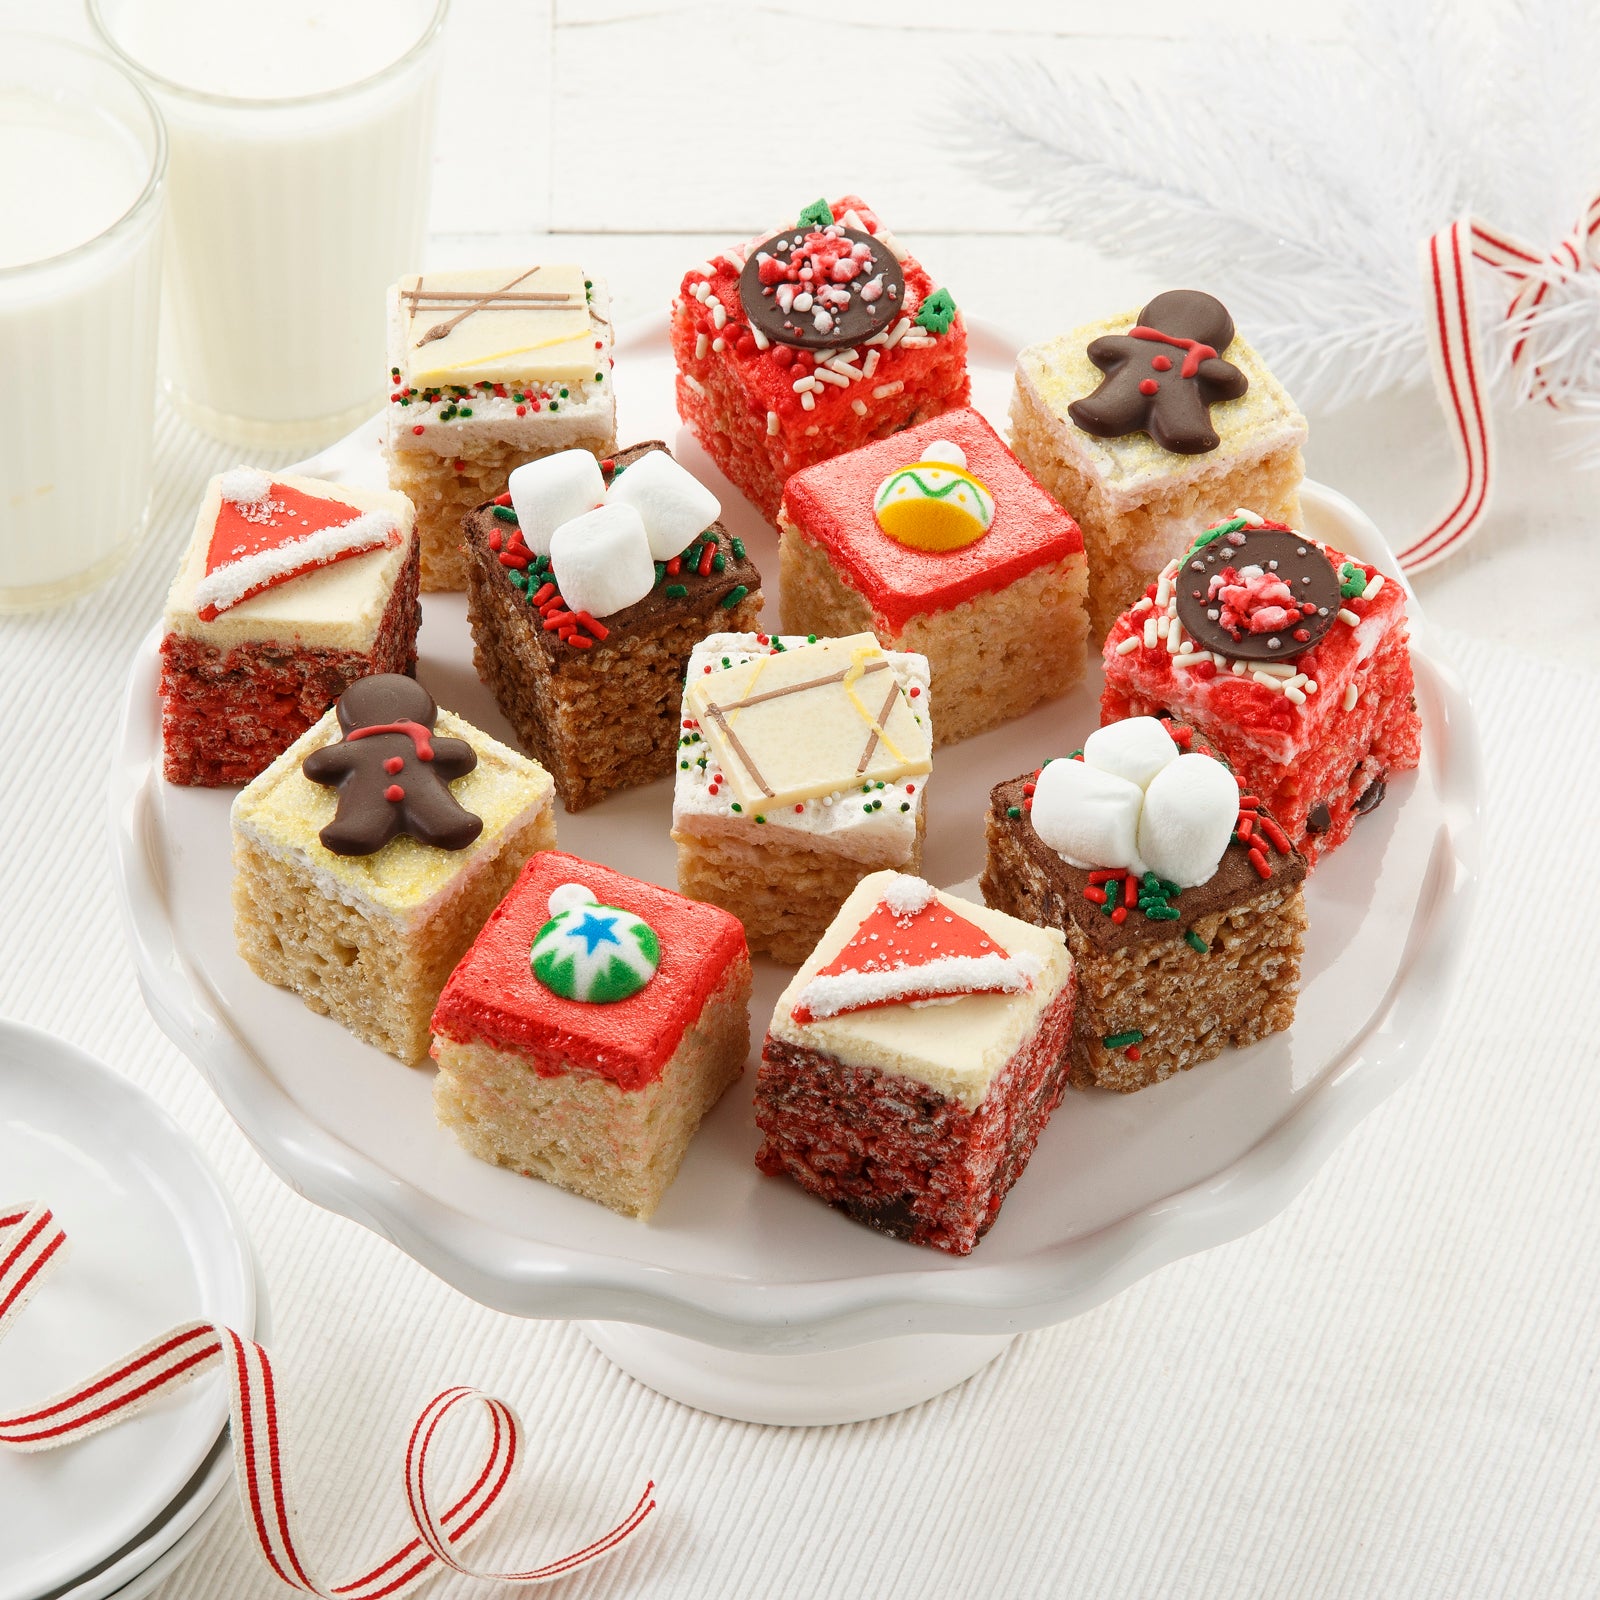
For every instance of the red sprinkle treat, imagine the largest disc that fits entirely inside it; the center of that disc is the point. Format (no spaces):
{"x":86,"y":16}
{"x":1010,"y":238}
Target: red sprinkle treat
{"x":811,"y":340}
{"x":590,"y":1028}
{"x":916,"y":1118}
{"x":291,"y":589}
{"x":939,"y":541}
{"x":1290,"y":657}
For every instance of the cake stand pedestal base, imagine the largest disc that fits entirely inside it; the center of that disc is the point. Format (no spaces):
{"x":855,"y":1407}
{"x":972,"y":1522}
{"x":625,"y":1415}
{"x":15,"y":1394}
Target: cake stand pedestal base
{"x":796,"y":1391}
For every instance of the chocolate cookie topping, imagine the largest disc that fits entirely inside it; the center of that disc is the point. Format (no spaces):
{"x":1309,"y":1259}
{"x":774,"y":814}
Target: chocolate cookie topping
{"x":390,"y":771}
{"x":821,"y":287}
{"x":1256,"y":593}
{"x":1164,"y":374}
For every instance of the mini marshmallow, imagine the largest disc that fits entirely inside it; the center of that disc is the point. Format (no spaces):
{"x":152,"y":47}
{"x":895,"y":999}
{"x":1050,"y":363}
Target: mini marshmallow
{"x":601,"y":560}
{"x":1190,"y":810}
{"x":1088,"y":817}
{"x":672,"y":503}
{"x":1136,"y":749}
{"x":552,"y":490}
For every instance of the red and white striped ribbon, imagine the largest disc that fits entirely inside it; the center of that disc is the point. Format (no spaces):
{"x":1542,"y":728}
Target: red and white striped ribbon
{"x":1456,"y":351}
{"x":32,"y":1242}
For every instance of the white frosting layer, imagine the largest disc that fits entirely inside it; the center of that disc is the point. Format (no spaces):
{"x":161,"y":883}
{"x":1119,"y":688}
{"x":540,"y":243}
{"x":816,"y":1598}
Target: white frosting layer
{"x":585,"y":414}
{"x":337,"y":607}
{"x":956,"y":1047}
{"x":842,"y":818}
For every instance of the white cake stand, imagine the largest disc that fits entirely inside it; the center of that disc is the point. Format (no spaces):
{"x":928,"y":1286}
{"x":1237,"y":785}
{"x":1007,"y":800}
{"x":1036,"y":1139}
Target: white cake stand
{"x":743,"y":1296}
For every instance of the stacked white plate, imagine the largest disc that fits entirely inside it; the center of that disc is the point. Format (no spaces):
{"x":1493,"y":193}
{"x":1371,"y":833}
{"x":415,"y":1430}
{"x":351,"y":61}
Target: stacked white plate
{"x":154,"y":1243}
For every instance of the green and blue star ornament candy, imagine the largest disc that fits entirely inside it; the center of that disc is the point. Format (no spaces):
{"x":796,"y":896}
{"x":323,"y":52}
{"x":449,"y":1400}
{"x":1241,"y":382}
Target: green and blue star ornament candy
{"x":593,"y":953}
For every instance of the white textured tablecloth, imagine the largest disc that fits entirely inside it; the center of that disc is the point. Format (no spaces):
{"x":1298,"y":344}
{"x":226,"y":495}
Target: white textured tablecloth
{"x":1391,"y":1390}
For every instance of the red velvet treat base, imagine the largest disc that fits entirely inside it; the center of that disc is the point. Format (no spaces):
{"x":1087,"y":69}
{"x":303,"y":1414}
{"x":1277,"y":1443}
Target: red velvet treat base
{"x":493,"y":998}
{"x":898,"y":1156}
{"x":727,"y":396}
{"x":226,"y":715}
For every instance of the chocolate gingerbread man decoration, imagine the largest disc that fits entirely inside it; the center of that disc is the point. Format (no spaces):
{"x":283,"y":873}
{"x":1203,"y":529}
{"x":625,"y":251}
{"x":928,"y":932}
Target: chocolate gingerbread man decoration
{"x":392,"y":774}
{"x":1164,"y":374}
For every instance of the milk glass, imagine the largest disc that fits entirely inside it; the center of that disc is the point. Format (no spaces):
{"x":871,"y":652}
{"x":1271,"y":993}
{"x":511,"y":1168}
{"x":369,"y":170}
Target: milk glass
{"x":83,"y":161}
{"x":301,"y":133}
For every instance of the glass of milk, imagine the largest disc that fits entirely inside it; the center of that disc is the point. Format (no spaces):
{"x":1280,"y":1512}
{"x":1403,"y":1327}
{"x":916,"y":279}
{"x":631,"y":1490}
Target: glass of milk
{"x":83,"y":160}
{"x":301,"y":135}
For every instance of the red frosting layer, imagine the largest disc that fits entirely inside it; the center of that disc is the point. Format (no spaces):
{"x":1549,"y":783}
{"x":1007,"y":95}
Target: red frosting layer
{"x":493,"y":997}
{"x":831,"y":504}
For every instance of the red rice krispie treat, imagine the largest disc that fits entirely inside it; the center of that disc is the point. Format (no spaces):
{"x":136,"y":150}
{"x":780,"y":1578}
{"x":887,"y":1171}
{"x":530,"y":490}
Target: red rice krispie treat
{"x":914,"y":1060}
{"x":1290,"y":657}
{"x":291,"y":589}
{"x":590,"y":1028}
{"x":1148,"y":427}
{"x":811,"y":340}
{"x":939,"y":541}
{"x":1180,"y":899}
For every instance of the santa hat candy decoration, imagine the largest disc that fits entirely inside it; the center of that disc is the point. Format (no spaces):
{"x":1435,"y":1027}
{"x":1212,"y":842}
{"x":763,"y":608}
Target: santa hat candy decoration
{"x":1135,"y":803}
{"x":593,"y":953}
{"x":267,"y":533}
{"x":912,"y":948}
{"x":603,"y":544}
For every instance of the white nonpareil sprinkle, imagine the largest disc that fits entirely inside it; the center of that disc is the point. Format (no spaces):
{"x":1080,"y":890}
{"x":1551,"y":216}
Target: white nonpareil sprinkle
{"x":1239,"y":669}
{"x":1275,"y":684}
{"x":897,"y":333}
{"x":699,"y":388}
{"x":1351,"y":695}
{"x":1374,"y":586}
{"x":1141,"y":604}
{"x":701,"y":345}
{"x":870,"y":365}
{"x":823,"y":375}
{"x":1294,"y":695}
{"x":884,"y":390}
{"x":1189,"y":659}
{"x":719,"y":314}
{"x":772,"y":423}
{"x":1128,"y":645}
{"x":719,"y":344}
{"x":1310,"y":686}
{"x":804,"y":385}
{"x":806,"y":402}
{"x":1348,"y":617}
{"x":1251,"y":517}
{"x":762,"y":341}
{"x":859,"y":407}
{"x":1151,"y":632}
{"x":245,"y":486}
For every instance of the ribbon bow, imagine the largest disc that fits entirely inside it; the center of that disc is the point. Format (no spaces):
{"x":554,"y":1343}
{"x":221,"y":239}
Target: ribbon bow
{"x":32,"y":1243}
{"x":1454,"y":346}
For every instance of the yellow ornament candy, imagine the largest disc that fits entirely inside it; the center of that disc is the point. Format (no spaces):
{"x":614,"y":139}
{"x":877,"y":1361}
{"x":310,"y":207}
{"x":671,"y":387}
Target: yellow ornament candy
{"x":935,"y":503}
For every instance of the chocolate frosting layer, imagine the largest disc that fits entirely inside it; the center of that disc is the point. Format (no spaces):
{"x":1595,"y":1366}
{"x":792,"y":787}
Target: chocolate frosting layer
{"x":700,"y":592}
{"x":1234,"y":882}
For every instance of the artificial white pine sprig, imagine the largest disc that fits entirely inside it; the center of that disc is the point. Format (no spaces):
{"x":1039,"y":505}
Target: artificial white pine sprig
{"x":1298,"y":180}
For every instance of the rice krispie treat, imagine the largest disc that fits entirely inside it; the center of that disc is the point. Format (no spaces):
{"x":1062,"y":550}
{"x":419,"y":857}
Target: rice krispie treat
{"x":1180,"y":898}
{"x":290,"y":589}
{"x":1148,"y":427}
{"x":588,"y":584}
{"x":939,"y":541}
{"x":592,"y":1025}
{"x":809,"y":340}
{"x":490,"y":367}
{"x":914,"y":1060}
{"x":802,"y":767}
{"x":368,"y":855}
{"x":1290,"y":657}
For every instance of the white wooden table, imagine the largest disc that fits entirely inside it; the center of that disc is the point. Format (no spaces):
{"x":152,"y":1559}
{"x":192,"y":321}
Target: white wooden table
{"x":1389,"y":1391}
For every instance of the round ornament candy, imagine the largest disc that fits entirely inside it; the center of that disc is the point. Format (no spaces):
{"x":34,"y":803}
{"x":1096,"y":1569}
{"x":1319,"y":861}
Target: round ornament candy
{"x":934,"y":503}
{"x":593,"y":953}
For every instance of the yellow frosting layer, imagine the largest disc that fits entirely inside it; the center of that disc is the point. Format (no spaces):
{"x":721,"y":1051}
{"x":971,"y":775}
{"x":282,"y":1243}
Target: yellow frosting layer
{"x":954,"y":1048}
{"x":282,"y":811}
{"x":337,"y":607}
{"x":1262,"y":419}
{"x":460,"y":327}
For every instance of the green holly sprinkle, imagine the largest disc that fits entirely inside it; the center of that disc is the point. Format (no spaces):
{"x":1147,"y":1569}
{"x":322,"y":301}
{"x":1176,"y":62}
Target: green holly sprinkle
{"x":937,"y":312}
{"x":1352,"y":581}
{"x":816,"y":215}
